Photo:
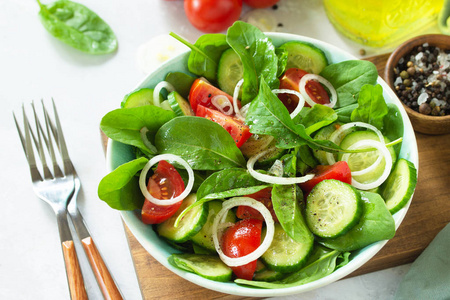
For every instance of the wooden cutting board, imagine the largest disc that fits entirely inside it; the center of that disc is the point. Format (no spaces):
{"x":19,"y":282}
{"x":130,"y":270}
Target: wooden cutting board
{"x":428,"y":214}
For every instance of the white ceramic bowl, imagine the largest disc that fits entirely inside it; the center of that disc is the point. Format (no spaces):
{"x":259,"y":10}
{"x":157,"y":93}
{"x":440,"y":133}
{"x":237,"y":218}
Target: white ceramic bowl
{"x":118,"y":154}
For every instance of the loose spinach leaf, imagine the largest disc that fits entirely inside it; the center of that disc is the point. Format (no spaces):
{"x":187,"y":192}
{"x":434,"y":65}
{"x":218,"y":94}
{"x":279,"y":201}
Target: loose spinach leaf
{"x":186,"y":137}
{"x":376,"y":224}
{"x":321,"y":263}
{"x":348,"y":77}
{"x":258,"y":58}
{"x":267,"y":115}
{"x":124,"y":124}
{"x":372,"y":107}
{"x":77,"y":26}
{"x":205,"y":54}
{"x":120,"y":188}
{"x":285,"y":205}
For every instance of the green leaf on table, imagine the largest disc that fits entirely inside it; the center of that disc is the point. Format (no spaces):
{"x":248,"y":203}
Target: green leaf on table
{"x":348,"y":77}
{"x":120,"y":188}
{"x":258,"y":58}
{"x":372,"y":107}
{"x":78,"y":26}
{"x":124,"y":124}
{"x":186,"y":137}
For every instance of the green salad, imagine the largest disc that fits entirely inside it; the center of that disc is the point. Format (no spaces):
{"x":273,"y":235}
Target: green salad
{"x":265,"y":164}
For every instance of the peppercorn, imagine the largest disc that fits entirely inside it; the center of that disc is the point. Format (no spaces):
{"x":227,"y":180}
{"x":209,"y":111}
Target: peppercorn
{"x":404,"y":74}
{"x":425,"y":108}
{"x":410,"y":64}
{"x":407,"y":82}
{"x":411,"y":71}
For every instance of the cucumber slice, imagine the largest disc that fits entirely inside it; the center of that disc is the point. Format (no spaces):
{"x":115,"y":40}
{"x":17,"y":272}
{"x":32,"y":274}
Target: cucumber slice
{"x":399,"y":186}
{"x":333,"y":208}
{"x":258,"y":143}
{"x":229,"y":72}
{"x":305,"y":56}
{"x":189,"y":226}
{"x":179,"y":105}
{"x":268,"y":275}
{"x":207,"y":266}
{"x":360,"y":161}
{"x":284,"y":254}
{"x":204,"y":237}
{"x":324,"y":134}
{"x":137,"y":98}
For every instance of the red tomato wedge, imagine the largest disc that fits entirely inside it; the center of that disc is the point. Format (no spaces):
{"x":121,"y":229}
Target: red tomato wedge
{"x":202,"y":92}
{"x":265,"y":197}
{"x":339,"y":171}
{"x":236,"y":128}
{"x":165,"y":183}
{"x":291,"y":80}
{"x":241,"y":239}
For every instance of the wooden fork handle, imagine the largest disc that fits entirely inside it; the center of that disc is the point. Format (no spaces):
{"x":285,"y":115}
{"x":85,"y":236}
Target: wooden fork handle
{"x":101,"y":272}
{"x":74,"y":276}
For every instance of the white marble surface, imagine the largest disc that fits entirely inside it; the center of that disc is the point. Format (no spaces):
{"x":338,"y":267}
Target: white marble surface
{"x":34,"y":65}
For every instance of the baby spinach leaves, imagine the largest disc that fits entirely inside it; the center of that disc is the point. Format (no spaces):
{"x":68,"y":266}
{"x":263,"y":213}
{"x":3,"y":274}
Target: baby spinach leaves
{"x":124,"y":124}
{"x":258,"y":57}
{"x":372,"y":107}
{"x":348,"y":77}
{"x":78,"y":26}
{"x":120,"y":188}
{"x":205,"y":54}
{"x":205,"y":145}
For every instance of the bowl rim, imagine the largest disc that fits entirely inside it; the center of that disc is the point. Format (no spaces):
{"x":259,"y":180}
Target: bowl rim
{"x":401,"y":51}
{"x":140,"y":230}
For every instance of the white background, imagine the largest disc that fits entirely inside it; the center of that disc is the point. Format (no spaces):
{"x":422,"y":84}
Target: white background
{"x":33,"y":66}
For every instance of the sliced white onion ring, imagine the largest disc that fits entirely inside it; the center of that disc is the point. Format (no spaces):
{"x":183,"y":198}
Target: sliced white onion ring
{"x":387,"y":157}
{"x":244,"y":110}
{"x":235,"y":98}
{"x":145,"y":140}
{"x":301,"y":100}
{"x":220,"y":218}
{"x":153,"y":161}
{"x":223,"y":104}
{"x":336,"y":135}
{"x":273,"y":179}
{"x":162,"y":85}
{"x":315,"y":77}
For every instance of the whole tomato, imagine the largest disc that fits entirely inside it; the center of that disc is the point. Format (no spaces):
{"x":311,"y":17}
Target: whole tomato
{"x":260,"y":3}
{"x":212,"y":15}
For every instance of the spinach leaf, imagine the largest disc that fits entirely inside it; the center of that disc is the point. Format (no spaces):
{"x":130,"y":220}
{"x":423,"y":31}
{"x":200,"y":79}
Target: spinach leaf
{"x":348,"y":77}
{"x":376,"y":224}
{"x":229,"y":183}
{"x":77,"y":26}
{"x":258,"y":58}
{"x":306,"y":156}
{"x":186,"y":137}
{"x":205,"y":54}
{"x":120,"y":188}
{"x":372,"y":107}
{"x":268,"y":115}
{"x":317,"y":117}
{"x":344,"y":113}
{"x":393,"y":125}
{"x":181,"y":82}
{"x":124,"y":124}
{"x":285,"y":205}
{"x":321,"y":263}
{"x":282,"y":55}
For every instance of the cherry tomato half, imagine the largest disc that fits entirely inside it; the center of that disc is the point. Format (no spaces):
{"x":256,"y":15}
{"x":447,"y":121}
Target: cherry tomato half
{"x":236,"y":128}
{"x":260,"y":3}
{"x":165,"y":183}
{"x":339,"y":171}
{"x":202,"y":92}
{"x":212,"y":15}
{"x":242,"y":238}
{"x":265,"y":197}
{"x":291,"y":79}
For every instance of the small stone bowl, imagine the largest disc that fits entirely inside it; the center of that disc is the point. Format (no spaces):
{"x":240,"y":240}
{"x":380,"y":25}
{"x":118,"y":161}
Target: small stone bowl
{"x":421,"y":123}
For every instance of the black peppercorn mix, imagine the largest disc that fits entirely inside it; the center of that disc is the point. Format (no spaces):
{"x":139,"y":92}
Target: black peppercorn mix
{"x":422,"y":81}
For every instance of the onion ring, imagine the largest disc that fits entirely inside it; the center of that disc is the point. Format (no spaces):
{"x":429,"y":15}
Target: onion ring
{"x":157,"y":91}
{"x":301,"y":100}
{"x":315,"y":77}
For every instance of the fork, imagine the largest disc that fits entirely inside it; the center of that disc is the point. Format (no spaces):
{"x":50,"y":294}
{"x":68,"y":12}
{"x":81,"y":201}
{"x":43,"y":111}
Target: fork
{"x":105,"y":281}
{"x":56,"y":188}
